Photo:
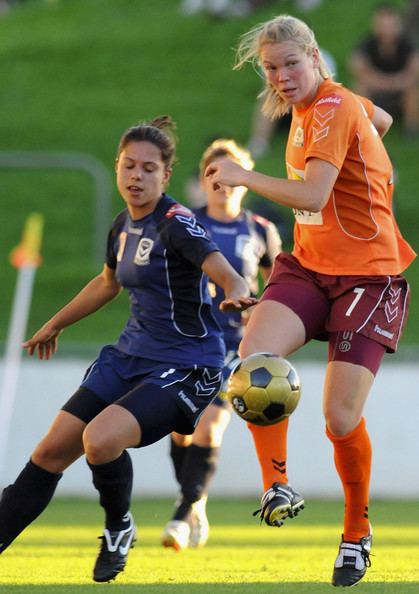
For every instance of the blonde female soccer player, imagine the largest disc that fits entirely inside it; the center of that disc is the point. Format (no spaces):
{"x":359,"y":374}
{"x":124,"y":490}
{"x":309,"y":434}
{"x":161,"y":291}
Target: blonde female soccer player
{"x":343,"y":280}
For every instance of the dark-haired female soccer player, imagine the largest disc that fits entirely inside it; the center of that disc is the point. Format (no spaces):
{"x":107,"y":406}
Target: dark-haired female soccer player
{"x":167,"y":365}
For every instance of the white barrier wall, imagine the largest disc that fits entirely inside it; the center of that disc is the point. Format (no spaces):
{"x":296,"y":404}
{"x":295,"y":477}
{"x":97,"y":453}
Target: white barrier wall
{"x":392,"y":417}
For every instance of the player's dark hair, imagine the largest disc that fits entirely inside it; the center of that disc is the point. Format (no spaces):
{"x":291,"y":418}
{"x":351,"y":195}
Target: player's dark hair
{"x":386,"y":7}
{"x":159,"y":131}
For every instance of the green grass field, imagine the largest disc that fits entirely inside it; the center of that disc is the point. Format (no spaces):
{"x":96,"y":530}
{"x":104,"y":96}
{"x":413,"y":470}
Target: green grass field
{"x":56,"y":554}
{"x":76,"y":74}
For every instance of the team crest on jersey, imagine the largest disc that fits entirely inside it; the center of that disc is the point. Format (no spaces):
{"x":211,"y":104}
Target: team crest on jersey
{"x":178,"y":209}
{"x":142,"y":255}
{"x":298,"y":139}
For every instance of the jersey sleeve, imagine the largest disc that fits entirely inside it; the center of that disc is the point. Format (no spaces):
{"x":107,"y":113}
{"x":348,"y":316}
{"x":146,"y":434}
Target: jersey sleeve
{"x":332,"y":128}
{"x":367,"y":104}
{"x":188,"y":238}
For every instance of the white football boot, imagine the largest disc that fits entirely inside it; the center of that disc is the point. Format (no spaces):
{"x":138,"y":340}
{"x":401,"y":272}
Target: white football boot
{"x":199,"y":524}
{"x":176,"y":535}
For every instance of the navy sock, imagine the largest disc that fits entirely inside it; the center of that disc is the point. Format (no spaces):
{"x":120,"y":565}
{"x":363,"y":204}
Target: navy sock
{"x":24,"y":500}
{"x":178,"y":454}
{"x":198,"y":469}
{"x":113,"y":480}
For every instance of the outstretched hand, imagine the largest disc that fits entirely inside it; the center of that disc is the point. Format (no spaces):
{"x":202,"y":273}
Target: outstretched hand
{"x":45,"y":341}
{"x":240,"y":304}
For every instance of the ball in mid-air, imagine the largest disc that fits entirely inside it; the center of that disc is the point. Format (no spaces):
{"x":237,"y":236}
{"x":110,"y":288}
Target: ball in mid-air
{"x":264,"y":389}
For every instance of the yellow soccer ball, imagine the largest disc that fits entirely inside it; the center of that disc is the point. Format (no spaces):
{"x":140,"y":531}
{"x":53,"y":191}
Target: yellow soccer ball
{"x":264,"y":389}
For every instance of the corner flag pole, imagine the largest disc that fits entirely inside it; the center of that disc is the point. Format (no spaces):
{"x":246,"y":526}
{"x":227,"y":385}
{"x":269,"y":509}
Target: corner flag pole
{"x":26,"y":259}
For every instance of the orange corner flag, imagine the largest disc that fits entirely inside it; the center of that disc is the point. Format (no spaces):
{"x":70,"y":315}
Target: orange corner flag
{"x":27,"y":253}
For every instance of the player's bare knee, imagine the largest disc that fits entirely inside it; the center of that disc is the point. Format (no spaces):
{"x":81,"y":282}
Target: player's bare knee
{"x":341,"y":423}
{"x":50,"y":456}
{"x":93,"y":448}
{"x":98,"y":447}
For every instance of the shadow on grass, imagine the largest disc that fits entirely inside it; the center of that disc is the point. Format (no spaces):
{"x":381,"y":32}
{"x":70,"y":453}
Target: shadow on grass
{"x":188,"y":588}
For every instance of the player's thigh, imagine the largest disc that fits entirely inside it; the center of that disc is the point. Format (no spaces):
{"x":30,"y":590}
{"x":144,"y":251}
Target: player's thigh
{"x":293,"y":310}
{"x":157,"y":412}
{"x":212,"y":425}
{"x":167,"y":402}
{"x":62,"y":444}
{"x":346,"y":390}
{"x":109,"y":433}
{"x":274,"y":328}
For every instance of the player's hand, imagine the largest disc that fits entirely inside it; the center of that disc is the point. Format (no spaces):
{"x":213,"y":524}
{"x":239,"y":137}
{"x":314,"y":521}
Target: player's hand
{"x":237,"y":305}
{"x":45,"y":341}
{"x":226,"y":172}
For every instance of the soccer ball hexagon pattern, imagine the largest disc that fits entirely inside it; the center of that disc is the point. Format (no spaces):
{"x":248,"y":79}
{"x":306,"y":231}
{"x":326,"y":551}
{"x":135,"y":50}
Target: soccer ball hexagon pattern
{"x":264,"y":389}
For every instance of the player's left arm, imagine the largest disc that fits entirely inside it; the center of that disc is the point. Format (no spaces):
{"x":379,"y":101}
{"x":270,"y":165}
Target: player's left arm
{"x":235,"y":288}
{"x":382,"y":120}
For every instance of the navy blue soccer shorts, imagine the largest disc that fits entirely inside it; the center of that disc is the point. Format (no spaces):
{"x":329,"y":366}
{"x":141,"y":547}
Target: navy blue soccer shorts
{"x":231,"y":360}
{"x":162,"y":397}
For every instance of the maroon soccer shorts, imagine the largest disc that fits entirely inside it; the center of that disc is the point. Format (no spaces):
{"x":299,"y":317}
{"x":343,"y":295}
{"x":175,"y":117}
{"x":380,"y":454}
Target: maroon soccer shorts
{"x":374,"y":307}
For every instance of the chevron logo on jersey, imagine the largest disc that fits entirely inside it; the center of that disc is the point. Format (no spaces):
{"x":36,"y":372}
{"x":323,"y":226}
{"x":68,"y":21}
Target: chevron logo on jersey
{"x":323,"y":118}
{"x":192,"y":226}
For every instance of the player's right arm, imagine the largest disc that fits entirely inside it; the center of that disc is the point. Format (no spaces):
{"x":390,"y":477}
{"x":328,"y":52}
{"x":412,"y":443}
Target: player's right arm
{"x":99,"y":291}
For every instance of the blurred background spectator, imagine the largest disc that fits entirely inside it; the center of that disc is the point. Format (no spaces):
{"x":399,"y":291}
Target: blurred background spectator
{"x":238,"y":8}
{"x":385,"y":67}
{"x":411,"y":19}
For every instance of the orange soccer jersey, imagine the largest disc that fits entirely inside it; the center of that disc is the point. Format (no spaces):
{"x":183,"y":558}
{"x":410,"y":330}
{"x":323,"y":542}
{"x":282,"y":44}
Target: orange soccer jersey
{"x":355,"y":233}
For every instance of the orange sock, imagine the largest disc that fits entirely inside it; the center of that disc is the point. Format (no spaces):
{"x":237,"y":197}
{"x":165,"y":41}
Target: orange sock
{"x":271,"y":449}
{"x":353,"y":463}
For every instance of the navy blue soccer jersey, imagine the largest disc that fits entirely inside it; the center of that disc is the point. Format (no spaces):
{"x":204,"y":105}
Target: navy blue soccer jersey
{"x":248,"y":242}
{"x":158,"y":260}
